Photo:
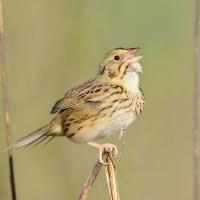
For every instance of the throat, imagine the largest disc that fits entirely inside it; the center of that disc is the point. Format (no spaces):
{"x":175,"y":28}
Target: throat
{"x":131,"y":81}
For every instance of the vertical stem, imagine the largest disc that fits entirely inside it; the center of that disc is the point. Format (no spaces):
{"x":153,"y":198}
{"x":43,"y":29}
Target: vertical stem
{"x":5,"y":105}
{"x":196,"y":108}
{"x":112,"y":177}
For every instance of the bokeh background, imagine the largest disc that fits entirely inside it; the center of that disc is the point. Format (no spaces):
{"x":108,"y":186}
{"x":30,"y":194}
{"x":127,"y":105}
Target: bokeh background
{"x":52,"y":46}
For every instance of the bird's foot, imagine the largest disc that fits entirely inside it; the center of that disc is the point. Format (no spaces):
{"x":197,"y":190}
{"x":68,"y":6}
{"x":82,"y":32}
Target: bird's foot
{"x":104,"y":148}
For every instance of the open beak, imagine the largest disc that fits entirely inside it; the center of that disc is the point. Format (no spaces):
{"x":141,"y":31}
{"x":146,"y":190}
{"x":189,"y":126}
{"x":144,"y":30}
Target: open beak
{"x":134,"y":60}
{"x":131,"y":55}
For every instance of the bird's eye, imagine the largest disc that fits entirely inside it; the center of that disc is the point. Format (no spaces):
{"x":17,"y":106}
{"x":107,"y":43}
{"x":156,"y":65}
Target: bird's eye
{"x":116,"y":58}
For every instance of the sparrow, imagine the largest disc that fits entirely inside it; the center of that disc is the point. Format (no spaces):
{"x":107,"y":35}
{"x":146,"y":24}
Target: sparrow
{"x":99,"y":107}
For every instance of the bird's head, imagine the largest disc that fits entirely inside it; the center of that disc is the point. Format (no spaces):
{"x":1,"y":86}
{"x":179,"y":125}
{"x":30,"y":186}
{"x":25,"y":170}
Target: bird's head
{"x":121,"y":66}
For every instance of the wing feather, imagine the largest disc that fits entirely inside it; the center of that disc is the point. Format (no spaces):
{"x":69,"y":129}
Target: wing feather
{"x":88,"y":92}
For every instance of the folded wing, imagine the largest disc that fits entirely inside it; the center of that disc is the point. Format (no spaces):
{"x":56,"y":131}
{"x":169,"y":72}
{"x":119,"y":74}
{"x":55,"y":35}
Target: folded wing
{"x":91,"y":92}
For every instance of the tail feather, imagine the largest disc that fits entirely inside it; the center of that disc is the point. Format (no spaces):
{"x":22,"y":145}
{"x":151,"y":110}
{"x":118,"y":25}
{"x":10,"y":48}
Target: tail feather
{"x":37,"y":136}
{"x":44,"y":138}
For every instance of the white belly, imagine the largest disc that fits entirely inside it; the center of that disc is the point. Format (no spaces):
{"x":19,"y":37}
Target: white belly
{"x":109,"y":127}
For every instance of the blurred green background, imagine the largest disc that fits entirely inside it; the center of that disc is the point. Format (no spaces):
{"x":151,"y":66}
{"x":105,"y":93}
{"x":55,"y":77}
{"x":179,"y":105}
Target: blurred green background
{"x":52,"y":46}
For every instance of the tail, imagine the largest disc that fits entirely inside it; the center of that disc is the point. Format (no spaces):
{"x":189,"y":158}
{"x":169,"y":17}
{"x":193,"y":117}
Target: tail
{"x":36,"y":137}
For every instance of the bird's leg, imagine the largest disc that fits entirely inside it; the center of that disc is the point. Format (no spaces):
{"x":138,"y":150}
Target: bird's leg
{"x":104,"y":148}
{"x":121,"y":133}
{"x":122,"y":141}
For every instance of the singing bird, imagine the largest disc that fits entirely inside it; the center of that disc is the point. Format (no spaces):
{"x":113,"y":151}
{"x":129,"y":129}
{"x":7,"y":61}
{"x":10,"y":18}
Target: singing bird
{"x":99,"y":107}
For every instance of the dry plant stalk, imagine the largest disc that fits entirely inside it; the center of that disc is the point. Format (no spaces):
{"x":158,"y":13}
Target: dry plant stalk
{"x":5,"y":105}
{"x":110,"y":174}
{"x":112,"y":177}
{"x":90,"y":180}
{"x":196,"y":108}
